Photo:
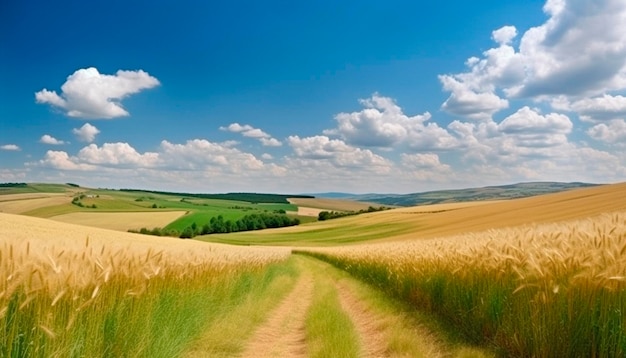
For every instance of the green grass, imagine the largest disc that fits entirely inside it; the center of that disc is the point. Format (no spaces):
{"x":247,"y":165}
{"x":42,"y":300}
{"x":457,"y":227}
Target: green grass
{"x":338,"y":233}
{"x":545,"y":291}
{"x":225,"y":335}
{"x":329,"y":330}
{"x":35,"y":188}
{"x":199,"y":211}
{"x":164,"y":321}
{"x":407,"y":330}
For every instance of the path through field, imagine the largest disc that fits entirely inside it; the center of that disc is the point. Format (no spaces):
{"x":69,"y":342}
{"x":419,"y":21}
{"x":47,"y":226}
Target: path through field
{"x":378,"y":326}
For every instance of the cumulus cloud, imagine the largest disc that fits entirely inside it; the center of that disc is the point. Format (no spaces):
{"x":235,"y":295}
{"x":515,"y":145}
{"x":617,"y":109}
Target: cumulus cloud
{"x":595,"y":109}
{"x":10,"y":147}
{"x":383,"y":124}
{"x":336,"y":152}
{"x":528,"y":128}
{"x":48,"y":139}
{"x":89,"y":94}
{"x":611,"y":132}
{"x":504,"y":35}
{"x":62,"y":161}
{"x":580,"y":51}
{"x":197,"y":155}
{"x":251,"y":132}
{"x":427,"y":167}
{"x":467,"y":102}
{"x":117,"y":154}
{"x":12,"y":175}
{"x":86,"y":133}
{"x":200,"y":153}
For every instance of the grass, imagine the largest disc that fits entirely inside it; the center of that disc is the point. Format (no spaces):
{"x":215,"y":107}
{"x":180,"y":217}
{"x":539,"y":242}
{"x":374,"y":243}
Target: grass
{"x":547,"y":290}
{"x":35,"y":188}
{"x":243,"y":311}
{"x":329,"y":330}
{"x":115,"y":294}
{"x":339,"y":231}
{"x":405,"y":330}
{"x":199,"y":211}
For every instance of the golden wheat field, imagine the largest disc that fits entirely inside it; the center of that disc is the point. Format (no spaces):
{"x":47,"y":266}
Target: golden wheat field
{"x":57,"y":251}
{"x":547,"y":280}
{"x":21,"y":203}
{"x":331,"y":204}
{"x":121,"y":221}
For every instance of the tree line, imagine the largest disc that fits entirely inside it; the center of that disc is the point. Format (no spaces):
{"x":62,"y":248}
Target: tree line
{"x":327,"y":215}
{"x":218,"y":225}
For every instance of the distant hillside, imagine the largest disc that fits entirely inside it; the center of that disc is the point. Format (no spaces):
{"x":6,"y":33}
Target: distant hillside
{"x":24,"y":188}
{"x":247,"y":197}
{"x":501,"y":192}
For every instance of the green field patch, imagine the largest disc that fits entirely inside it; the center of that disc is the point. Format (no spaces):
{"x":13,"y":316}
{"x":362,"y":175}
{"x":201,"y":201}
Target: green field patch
{"x":23,"y":188}
{"x":50,"y":211}
{"x":333,"y":235}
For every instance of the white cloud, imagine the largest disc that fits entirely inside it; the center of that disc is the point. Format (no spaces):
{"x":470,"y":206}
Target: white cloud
{"x":466,"y":102}
{"x":423,"y":161}
{"x":594,"y":109}
{"x":90,"y":94}
{"x":528,"y":128}
{"x":504,"y":35}
{"x":194,"y":155}
{"x":383,"y":124}
{"x":86,"y":133}
{"x":337,"y":153}
{"x":117,"y":154}
{"x":10,"y":147}
{"x":62,"y":161}
{"x":12,"y":175}
{"x":251,"y":132}
{"x":201,"y":154}
{"x":579,"y":51}
{"x":611,"y":132}
{"x":48,"y":139}
{"x":427,"y":167}
{"x":270,"y":142}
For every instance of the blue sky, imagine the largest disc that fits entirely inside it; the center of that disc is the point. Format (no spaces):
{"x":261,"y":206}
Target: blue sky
{"x":279,"y":96}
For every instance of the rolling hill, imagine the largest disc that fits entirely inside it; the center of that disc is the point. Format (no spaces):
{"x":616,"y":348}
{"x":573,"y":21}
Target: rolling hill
{"x":512,"y":191}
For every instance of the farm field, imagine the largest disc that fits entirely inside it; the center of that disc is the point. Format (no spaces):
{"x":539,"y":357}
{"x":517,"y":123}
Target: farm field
{"x":108,"y":208}
{"x":430,"y":221}
{"x":541,"y":276}
{"x":121,"y":221}
{"x":23,"y":203}
{"x":221,"y":300}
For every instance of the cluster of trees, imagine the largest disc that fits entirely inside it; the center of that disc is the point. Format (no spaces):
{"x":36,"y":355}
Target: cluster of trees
{"x":13,"y":185}
{"x":327,"y":215}
{"x":219,"y":225}
{"x":77,"y":201}
{"x":157,"y":231}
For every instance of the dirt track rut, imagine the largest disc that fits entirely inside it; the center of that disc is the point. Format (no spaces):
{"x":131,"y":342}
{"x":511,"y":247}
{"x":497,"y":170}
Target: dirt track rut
{"x":283,"y":335}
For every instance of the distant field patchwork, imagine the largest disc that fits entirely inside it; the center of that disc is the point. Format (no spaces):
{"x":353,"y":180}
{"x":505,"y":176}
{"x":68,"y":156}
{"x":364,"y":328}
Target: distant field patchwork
{"x":21,"y":203}
{"x":121,"y":221}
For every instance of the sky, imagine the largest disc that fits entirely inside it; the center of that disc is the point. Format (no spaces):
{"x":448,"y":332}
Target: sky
{"x":309,"y":97}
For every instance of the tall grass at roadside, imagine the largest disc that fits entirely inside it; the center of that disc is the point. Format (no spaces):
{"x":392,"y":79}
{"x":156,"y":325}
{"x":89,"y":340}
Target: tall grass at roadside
{"x":551,"y":290}
{"x":92,"y":300}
